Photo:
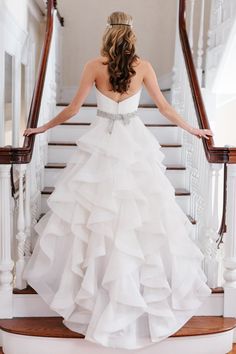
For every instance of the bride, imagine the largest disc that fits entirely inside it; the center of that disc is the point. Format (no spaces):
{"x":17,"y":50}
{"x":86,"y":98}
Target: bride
{"x":114,"y":256}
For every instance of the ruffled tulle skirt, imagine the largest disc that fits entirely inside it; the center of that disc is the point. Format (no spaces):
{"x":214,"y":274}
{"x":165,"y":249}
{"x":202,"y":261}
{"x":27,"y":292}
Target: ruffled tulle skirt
{"x":114,"y":256}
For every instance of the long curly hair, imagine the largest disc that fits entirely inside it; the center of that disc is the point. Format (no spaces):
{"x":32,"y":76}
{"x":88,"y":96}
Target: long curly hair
{"x":118,"y":46}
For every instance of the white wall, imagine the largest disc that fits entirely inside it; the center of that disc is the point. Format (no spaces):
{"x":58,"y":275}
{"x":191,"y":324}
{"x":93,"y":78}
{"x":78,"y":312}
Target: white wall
{"x":225,"y":124}
{"x":18,"y":9}
{"x":85,"y":21}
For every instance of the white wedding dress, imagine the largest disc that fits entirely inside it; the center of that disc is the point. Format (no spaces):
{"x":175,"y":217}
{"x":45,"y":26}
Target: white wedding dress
{"x":114,"y":256}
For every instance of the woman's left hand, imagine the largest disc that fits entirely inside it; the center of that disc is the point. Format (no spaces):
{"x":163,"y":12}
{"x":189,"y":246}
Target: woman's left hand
{"x":202,"y":133}
{"x":30,"y":131}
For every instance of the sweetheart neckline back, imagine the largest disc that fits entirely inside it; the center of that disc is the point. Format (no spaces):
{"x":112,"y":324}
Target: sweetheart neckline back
{"x":122,"y":100}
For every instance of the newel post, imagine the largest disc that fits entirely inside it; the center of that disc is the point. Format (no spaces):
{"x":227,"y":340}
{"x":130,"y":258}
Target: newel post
{"x":6,"y":263}
{"x":230,"y":246}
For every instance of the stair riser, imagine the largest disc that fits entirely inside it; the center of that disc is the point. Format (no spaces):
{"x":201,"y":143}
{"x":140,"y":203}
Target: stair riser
{"x":72,"y":133}
{"x":176,"y":177}
{"x":62,"y":154}
{"x":33,"y":306}
{"x":219,"y":343}
{"x":148,"y":115}
{"x":183,"y":202}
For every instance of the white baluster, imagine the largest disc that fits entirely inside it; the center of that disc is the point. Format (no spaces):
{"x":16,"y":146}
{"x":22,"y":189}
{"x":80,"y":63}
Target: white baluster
{"x":209,"y":241}
{"x":200,"y":43}
{"x":212,"y":261}
{"x":27,"y":213}
{"x":6,"y":263}
{"x":191,"y":23}
{"x":21,"y":235}
{"x":230,"y":246}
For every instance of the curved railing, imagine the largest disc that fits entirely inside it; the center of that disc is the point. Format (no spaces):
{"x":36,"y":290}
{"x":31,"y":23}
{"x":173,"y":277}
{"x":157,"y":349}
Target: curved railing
{"x":18,"y":155}
{"x":213,"y":153}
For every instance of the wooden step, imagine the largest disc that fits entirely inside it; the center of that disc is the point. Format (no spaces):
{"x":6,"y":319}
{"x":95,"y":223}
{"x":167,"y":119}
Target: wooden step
{"x":178,"y":191}
{"x":171,"y":167}
{"x":141,"y":105}
{"x":54,"y":328}
{"x":69,"y":143}
{"x":148,"y":125}
{"x":27,"y":291}
{"x":48,"y":335}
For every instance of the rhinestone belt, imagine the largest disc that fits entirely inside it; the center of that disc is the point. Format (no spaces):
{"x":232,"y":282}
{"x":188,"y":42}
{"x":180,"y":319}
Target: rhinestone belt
{"x":125,"y":117}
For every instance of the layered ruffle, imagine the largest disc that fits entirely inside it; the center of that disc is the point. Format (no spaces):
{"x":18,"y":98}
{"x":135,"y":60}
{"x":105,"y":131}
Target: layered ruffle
{"x":114,"y":255}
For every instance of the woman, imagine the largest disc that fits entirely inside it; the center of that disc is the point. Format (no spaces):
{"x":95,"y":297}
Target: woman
{"x":114,"y":255}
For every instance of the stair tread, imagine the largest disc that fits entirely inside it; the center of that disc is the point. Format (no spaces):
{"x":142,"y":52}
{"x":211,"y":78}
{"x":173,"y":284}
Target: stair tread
{"x":141,"y":105}
{"x":178,"y":191}
{"x":54,"y":328}
{"x":192,"y":220}
{"x":69,"y":143}
{"x":63,"y":165}
{"x":27,"y":291}
{"x":164,"y":125}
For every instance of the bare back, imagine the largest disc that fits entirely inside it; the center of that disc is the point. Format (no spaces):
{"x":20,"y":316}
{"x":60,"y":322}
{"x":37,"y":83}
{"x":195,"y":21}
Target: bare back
{"x":103,"y":85}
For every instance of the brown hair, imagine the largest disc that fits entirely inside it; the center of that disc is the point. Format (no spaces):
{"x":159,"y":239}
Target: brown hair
{"x":119,"y":48}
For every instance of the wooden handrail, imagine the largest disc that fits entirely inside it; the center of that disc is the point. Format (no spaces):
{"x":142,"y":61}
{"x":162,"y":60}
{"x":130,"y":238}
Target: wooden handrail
{"x":18,"y":155}
{"x":213,"y":154}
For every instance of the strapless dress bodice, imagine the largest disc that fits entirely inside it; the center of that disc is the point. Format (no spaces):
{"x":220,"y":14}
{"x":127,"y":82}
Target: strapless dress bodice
{"x":107,"y":104}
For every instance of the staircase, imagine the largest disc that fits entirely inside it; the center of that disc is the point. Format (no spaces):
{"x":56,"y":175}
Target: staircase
{"x":28,"y":326}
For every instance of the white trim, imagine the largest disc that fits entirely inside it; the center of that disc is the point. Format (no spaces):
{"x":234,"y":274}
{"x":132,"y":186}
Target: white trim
{"x":203,"y":344}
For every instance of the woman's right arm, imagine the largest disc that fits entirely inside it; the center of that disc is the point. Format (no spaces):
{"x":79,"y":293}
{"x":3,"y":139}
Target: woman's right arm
{"x":86,"y":83}
{"x":150,"y":81}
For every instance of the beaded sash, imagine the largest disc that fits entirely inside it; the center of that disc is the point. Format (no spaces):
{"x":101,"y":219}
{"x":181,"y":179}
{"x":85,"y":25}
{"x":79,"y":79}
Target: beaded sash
{"x":125,"y":117}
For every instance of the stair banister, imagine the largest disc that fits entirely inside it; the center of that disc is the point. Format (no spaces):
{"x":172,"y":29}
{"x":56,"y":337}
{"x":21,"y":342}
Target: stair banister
{"x":215,"y":155}
{"x":20,"y":207}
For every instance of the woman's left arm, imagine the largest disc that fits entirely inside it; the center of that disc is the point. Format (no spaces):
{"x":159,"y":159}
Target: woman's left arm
{"x":86,"y":83}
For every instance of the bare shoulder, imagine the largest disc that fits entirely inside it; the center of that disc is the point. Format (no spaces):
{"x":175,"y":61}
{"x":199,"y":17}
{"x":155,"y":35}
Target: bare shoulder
{"x":144,"y":65}
{"x":93,"y":64}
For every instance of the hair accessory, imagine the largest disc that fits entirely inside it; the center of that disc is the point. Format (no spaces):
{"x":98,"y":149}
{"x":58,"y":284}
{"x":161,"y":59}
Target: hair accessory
{"x":124,"y":24}
{"x":118,"y":24}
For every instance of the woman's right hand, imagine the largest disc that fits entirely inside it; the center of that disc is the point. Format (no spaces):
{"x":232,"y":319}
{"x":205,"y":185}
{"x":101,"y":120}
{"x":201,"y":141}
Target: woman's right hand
{"x":38,"y":130}
{"x":201,"y":133}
